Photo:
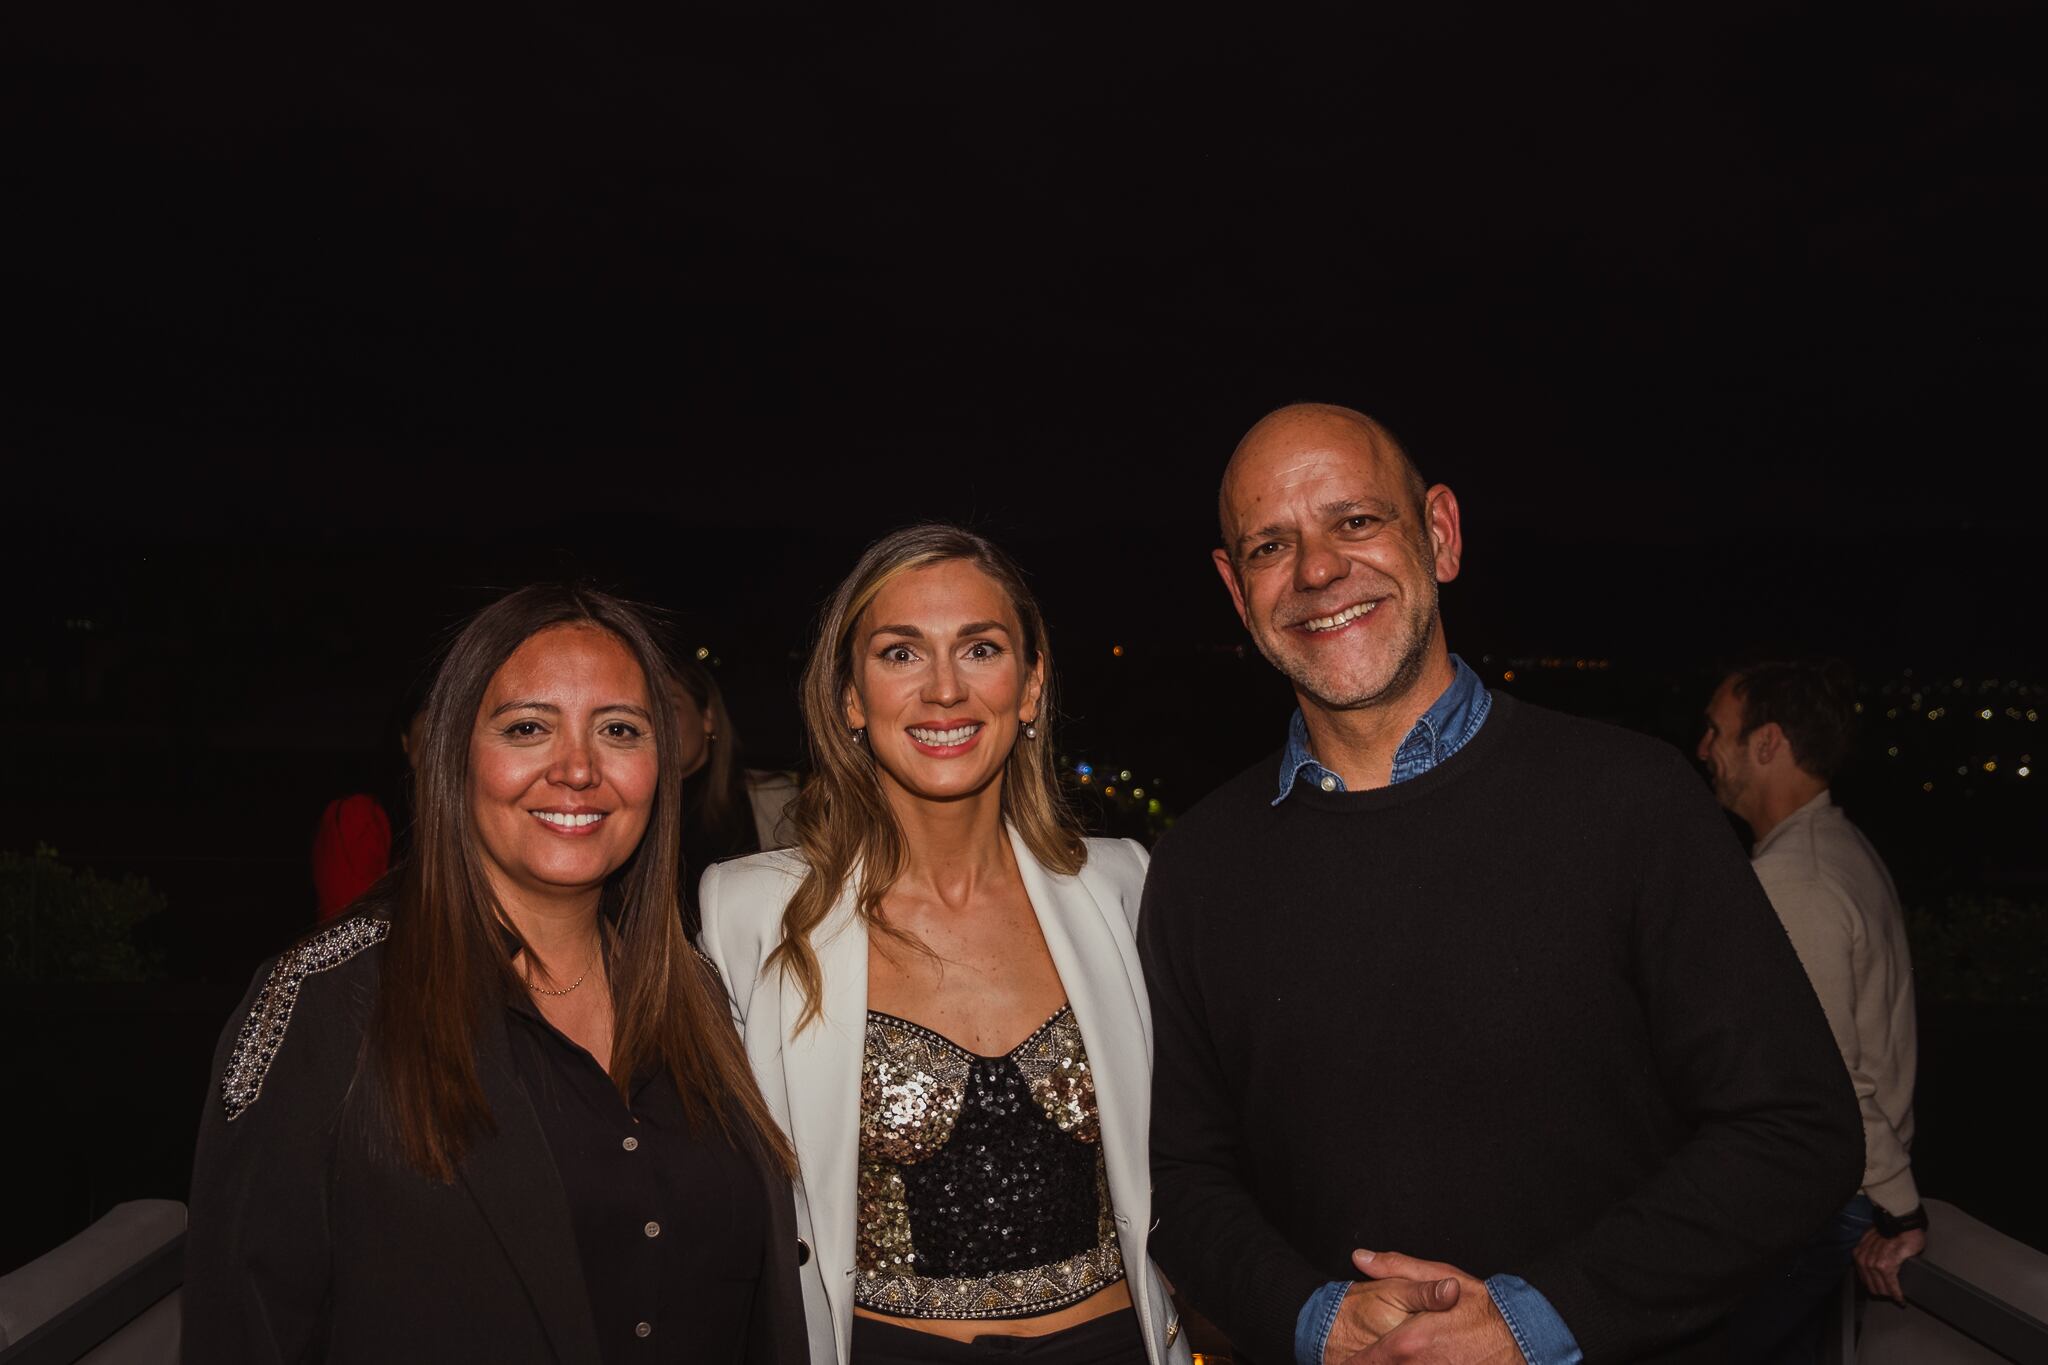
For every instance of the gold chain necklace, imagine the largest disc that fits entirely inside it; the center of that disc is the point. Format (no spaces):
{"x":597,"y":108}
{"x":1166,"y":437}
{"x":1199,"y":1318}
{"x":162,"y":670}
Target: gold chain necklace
{"x":542,"y":990}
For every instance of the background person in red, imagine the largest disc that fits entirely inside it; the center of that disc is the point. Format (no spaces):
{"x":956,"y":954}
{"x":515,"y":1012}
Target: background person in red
{"x":356,"y":840}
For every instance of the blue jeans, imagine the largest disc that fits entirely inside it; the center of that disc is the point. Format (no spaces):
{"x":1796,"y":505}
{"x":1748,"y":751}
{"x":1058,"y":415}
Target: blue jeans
{"x":1782,"y":1323}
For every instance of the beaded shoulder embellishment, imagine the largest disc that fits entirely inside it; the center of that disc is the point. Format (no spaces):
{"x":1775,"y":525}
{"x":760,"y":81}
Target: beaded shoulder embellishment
{"x":709,"y":965}
{"x":262,"y":1033}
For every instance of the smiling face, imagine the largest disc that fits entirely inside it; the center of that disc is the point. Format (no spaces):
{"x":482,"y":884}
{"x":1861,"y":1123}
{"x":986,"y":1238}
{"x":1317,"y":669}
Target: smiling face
{"x":939,"y":681}
{"x":1333,"y":556}
{"x":562,"y":765}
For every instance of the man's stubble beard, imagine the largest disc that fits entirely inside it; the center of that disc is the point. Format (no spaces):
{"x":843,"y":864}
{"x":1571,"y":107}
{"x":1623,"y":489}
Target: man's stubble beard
{"x":1422,"y":626}
{"x":1729,"y":788}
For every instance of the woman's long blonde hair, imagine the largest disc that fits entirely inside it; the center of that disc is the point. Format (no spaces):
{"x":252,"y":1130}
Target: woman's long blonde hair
{"x":842,"y":820}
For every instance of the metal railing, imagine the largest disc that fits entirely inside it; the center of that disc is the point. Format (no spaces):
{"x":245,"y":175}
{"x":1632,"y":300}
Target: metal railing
{"x":1976,"y":1312}
{"x":103,"y":1312}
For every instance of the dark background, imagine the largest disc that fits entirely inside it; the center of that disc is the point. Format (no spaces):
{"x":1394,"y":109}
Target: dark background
{"x":1725,"y":322}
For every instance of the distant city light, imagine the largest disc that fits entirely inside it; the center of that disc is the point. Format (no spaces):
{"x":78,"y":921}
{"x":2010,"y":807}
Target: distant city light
{"x":2023,"y":770}
{"x":1985,"y":714}
{"x":1084,"y":768}
{"x":1927,"y":786}
{"x":1892,"y":752}
{"x":1117,"y":651}
{"x":1124,"y":776}
{"x":1509,"y":676}
{"x":1990,"y":765}
{"x":703,"y":651}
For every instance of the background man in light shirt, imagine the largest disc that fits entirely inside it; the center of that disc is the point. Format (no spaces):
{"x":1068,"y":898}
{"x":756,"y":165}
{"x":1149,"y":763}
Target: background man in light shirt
{"x":1776,"y":733}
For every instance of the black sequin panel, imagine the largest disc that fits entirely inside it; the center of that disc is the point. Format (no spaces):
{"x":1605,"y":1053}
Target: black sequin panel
{"x":982,"y":1193}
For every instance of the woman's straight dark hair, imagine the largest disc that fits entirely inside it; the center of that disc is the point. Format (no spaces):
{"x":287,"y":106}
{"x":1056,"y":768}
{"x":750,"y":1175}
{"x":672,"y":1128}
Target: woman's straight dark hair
{"x":448,"y":962}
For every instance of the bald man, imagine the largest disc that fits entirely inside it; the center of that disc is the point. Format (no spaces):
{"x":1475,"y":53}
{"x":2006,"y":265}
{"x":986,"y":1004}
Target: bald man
{"x":1454,"y":977}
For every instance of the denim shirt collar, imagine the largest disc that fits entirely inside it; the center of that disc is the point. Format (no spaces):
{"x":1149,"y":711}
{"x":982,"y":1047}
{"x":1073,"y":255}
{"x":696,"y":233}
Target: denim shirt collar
{"x":1446,"y":727}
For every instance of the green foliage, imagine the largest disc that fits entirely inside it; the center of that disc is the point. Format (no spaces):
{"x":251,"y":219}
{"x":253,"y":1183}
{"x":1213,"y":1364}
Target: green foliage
{"x":63,"y":924}
{"x":1981,"y":950}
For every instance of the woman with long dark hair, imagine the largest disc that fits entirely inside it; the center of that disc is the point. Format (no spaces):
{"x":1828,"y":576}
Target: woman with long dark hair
{"x":501,"y":1113}
{"x":939,"y":991}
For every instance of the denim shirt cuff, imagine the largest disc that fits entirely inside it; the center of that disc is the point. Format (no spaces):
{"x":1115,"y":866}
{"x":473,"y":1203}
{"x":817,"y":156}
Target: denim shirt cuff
{"x":1312,"y":1325}
{"x":1539,"y":1333}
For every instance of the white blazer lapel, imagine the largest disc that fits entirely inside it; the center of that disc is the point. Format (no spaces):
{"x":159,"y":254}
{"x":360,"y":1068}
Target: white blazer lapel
{"x":821,"y":1068}
{"x":1111,"y":1014}
{"x":1090,"y":945}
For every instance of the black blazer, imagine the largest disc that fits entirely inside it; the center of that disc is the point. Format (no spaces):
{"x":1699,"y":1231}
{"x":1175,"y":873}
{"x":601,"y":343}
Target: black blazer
{"x":310,"y":1241}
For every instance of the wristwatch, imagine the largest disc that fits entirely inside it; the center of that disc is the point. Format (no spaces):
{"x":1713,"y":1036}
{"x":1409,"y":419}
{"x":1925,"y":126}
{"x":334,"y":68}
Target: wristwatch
{"x":1892,"y":1224}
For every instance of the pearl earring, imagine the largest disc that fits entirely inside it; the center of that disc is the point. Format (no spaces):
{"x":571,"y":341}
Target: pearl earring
{"x":1030,"y":729}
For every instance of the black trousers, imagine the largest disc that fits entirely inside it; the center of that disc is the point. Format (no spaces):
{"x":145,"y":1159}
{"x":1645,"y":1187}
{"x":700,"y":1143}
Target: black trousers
{"x":1112,"y":1339}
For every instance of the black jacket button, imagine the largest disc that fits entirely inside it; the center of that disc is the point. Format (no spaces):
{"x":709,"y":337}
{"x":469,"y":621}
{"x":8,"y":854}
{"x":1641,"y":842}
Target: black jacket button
{"x":803,"y":1252}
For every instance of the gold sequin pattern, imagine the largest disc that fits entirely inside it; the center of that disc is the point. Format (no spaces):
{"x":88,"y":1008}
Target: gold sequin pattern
{"x":1056,"y":1065}
{"x":911,"y":1084}
{"x":994,"y":1162}
{"x":883,"y":1247}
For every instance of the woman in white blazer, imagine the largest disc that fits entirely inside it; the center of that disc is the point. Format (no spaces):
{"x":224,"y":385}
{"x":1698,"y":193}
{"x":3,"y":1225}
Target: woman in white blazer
{"x":939,"y":993}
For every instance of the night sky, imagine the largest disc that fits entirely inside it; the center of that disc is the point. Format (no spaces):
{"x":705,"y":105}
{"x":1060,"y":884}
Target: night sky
{"x":1725,"y":322}
{"x":1626,"y":273}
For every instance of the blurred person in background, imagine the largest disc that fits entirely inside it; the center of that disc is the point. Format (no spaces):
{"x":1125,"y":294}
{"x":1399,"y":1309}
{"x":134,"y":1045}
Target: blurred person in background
{"x":1776,"y":735}
{"x":357,"y":839}
{"x":729,"y":809}
{"x":351,"y":852}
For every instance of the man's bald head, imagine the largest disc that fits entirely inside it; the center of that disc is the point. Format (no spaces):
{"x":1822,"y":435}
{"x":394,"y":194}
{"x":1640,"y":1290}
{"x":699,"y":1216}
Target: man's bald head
{"x":1301,"y":427}
{"x":1333,"y":548}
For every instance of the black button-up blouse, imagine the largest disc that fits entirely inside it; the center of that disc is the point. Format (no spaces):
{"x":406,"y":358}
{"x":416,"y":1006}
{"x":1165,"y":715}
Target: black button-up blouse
{"x":670,"y":1222}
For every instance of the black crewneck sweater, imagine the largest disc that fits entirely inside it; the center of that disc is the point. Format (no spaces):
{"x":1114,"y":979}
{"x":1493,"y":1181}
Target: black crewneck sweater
{"x":1529,"y":1012}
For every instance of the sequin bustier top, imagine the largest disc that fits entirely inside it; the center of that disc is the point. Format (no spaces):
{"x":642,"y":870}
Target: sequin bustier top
{"x":982,"y":1190}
